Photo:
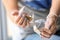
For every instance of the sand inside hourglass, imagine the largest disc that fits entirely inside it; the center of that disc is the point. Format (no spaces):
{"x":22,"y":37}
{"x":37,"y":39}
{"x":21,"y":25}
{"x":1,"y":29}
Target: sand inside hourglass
{"x":29,"y":18}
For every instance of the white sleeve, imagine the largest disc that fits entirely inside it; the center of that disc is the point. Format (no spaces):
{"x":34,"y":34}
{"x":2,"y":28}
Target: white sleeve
{"x":15,"y":30}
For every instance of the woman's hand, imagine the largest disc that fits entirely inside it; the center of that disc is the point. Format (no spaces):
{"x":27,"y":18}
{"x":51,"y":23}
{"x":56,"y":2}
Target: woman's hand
{"x":50,"y":27}
{"x":20,"y":18}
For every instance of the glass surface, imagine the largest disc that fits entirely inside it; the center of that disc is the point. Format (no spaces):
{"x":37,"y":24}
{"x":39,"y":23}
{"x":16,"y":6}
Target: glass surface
{"x":37,"y":27}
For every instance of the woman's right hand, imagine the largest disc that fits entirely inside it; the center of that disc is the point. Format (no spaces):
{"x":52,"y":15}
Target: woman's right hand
{"x":20,"y":18}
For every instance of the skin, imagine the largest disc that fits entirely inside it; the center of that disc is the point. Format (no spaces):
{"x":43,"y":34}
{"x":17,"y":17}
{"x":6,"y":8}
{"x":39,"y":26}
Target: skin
{"x":51,"y":20}
{"x":11,"y":5}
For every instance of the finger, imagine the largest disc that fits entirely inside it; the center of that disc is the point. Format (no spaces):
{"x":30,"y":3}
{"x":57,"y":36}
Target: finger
{"x":44,"y":34}
{"x":17,"y":19}
{"x":53,"y":28}
{"x":19,"y":16}
{"x":24,"y":23}
{"x":28,"y":23}
{"x":47,"y":31}
{"x":15,"y":13}
{"x":21,"y":20}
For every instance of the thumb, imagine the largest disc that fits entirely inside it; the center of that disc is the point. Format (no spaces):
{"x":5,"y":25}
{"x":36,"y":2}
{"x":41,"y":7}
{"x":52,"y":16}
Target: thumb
{"x":15,"y":13}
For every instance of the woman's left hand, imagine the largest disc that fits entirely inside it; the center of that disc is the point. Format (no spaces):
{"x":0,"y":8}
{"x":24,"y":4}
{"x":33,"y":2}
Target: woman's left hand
{"x":50,"y":27}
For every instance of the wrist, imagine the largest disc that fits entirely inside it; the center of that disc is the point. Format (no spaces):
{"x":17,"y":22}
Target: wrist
{"x":51,"y":15}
